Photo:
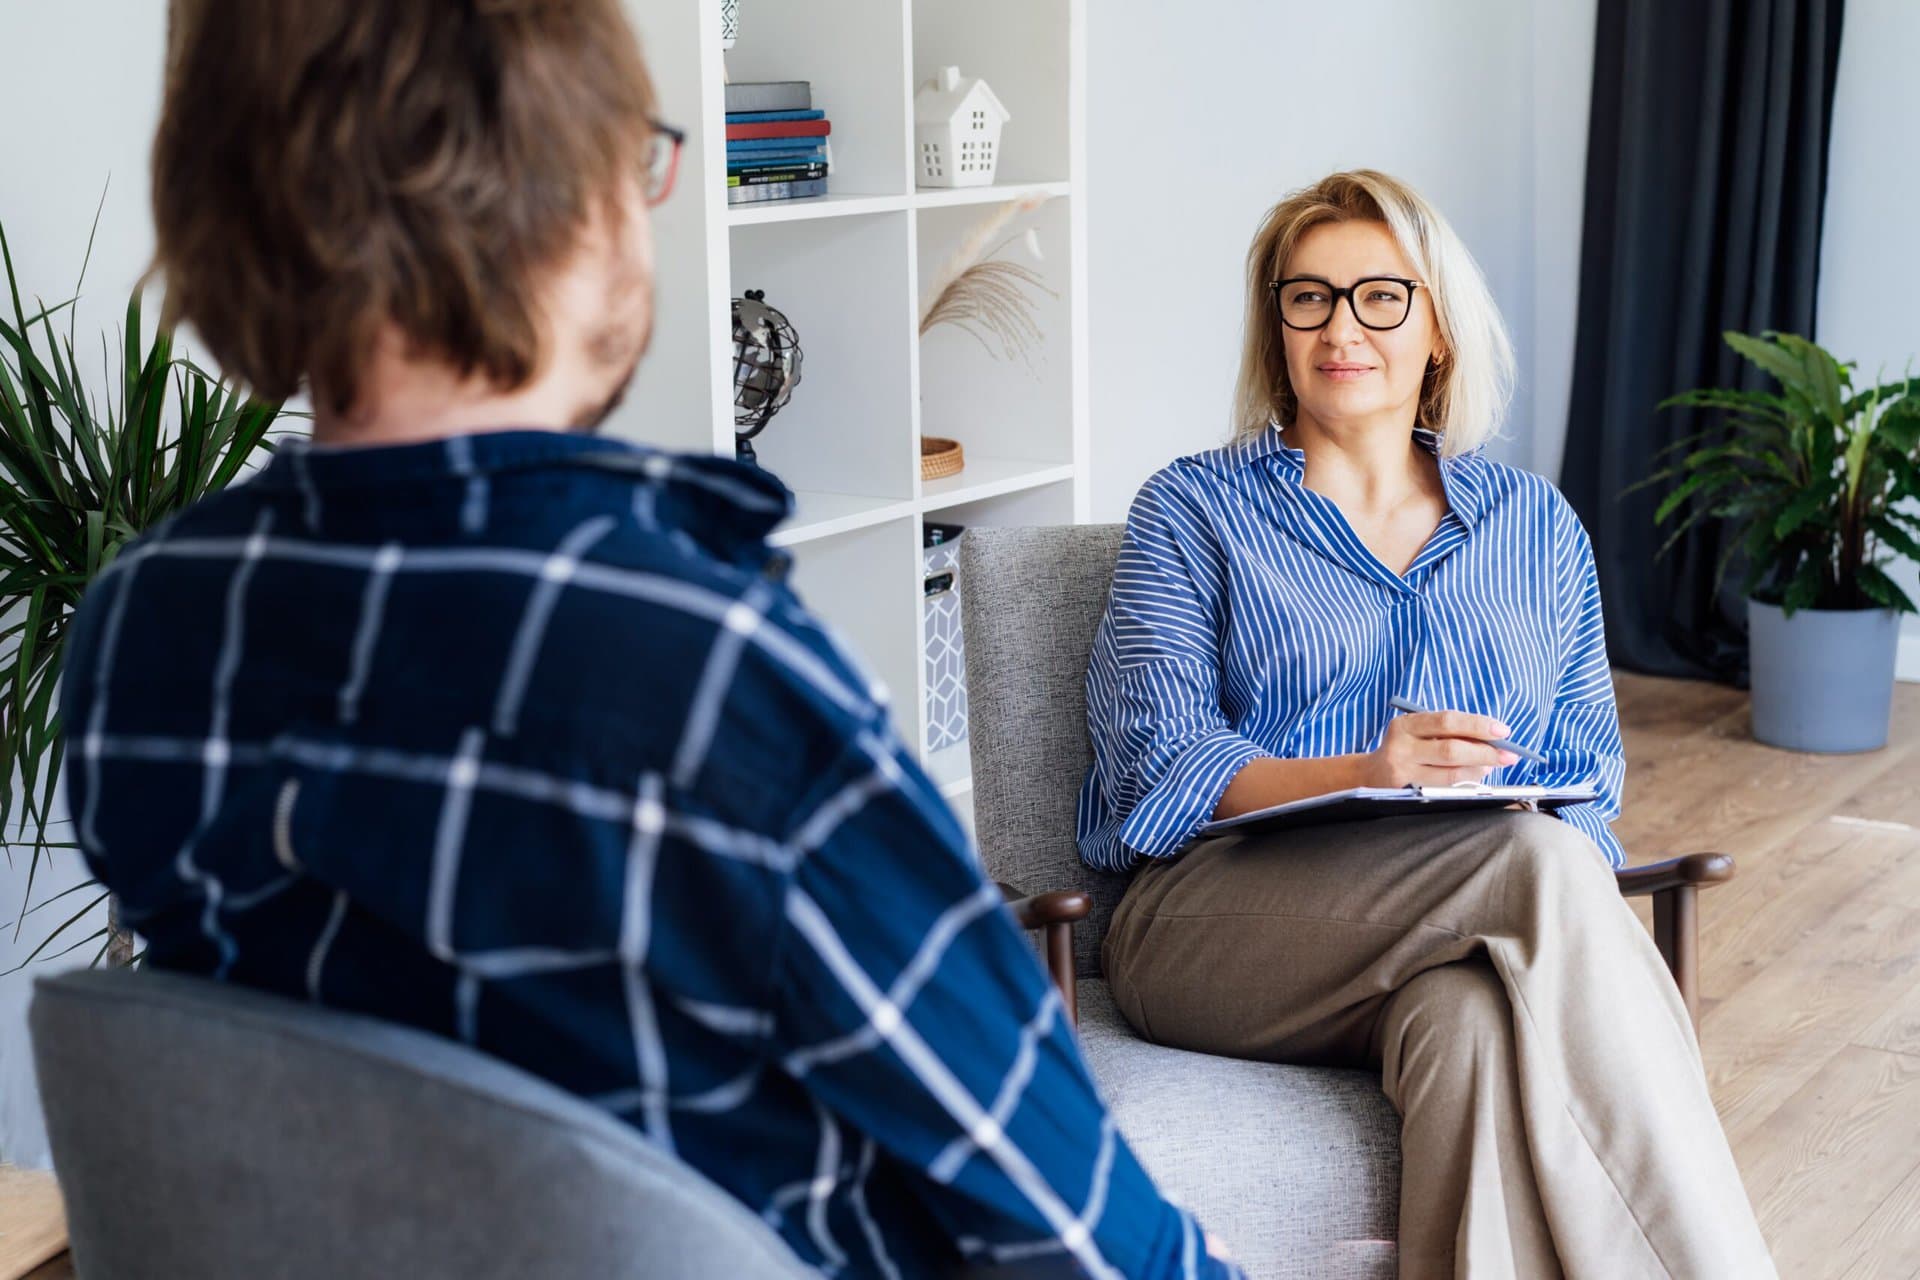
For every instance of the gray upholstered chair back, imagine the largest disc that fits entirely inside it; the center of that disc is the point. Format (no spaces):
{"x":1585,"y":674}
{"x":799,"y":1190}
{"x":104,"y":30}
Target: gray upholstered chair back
{"x":203,"y":1130}
{"x":1031,"y":600}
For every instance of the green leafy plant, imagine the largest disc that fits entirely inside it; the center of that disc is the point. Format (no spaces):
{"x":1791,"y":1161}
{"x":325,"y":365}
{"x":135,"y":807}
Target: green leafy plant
{"x":82,"y":472}
{"x":1815,"y":478}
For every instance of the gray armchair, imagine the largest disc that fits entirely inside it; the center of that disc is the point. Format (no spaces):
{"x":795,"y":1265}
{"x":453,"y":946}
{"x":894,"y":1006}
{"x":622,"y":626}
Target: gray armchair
{"x":1296,"y":1167}
{"x":207,"y":1131}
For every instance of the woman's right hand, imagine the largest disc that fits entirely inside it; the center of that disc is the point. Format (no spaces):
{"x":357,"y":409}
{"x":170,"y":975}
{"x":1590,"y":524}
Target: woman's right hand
{"x":1436,"y":749}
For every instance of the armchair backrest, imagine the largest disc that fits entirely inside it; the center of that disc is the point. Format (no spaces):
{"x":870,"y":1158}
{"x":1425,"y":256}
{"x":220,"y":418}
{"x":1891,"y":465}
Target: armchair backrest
{"x":204,"y":1130}
{"x":1031,"y":600}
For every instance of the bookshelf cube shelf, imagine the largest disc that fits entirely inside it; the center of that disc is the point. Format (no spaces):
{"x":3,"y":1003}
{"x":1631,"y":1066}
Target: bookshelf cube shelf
{"x":843,"y":283}
{"x":1001,"y":408}
{"x":849,"y":269}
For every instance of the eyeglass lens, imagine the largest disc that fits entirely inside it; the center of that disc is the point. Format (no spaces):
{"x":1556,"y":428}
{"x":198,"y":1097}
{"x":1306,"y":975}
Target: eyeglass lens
{"x":1377,"y":304}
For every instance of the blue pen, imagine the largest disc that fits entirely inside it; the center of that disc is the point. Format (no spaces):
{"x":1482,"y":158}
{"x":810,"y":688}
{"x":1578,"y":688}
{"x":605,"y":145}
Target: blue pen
{"x":1505,"y":744}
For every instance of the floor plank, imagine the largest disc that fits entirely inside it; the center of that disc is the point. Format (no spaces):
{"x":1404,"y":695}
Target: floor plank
{"x":1836,"y":1150}
{"x":32,"y":1227}
{"x":1887,"y":1244}
{"x":1897,"y":1029}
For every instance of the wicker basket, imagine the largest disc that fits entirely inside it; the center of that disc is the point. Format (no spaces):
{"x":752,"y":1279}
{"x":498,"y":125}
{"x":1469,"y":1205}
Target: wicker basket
{"x":940,"y":457}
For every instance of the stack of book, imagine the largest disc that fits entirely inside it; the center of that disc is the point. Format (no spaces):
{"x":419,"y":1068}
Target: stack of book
{"x":776,"y":143}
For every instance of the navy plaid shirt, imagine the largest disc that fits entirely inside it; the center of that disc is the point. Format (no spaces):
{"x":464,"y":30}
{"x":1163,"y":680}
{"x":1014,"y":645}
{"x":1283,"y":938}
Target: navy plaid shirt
{"x":521,"y":738}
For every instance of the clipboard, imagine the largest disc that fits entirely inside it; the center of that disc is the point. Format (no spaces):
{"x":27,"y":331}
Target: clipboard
{"x":1362,"y":803}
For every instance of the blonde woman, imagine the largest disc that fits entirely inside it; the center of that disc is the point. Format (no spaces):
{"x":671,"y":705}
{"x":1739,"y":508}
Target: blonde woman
{"x":1352,"y":544}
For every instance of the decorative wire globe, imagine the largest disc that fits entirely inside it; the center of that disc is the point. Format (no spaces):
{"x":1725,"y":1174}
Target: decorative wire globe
{"x":766,"y":366}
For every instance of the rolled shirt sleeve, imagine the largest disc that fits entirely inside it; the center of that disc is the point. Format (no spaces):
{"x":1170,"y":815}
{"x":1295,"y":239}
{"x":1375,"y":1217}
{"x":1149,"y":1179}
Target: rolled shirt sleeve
{"x":1164,"y":749}
{"x":1582,"y":739}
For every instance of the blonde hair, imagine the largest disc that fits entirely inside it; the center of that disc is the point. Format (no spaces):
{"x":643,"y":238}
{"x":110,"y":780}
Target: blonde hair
{"x":1465,"y":397}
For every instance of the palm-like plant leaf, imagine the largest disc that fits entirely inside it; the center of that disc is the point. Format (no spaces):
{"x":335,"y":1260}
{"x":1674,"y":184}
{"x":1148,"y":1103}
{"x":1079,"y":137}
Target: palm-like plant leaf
{"x":1810,"y":477}
{"x":80,"y":477}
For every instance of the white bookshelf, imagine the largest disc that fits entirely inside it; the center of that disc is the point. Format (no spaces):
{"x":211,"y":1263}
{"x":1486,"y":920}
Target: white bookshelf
{"x":849,"y":269}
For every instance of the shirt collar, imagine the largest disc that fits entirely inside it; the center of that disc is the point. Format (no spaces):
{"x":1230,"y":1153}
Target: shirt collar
{"x":747,"y":499}
{"x":1460,"y":476}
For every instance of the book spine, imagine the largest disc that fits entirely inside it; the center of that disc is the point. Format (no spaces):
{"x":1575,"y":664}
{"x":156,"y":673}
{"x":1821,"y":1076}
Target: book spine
{"x":779,"y":129}
{"x":736,"y":145}
{"x":775,"y":174}
{"x":778,"y":95}
{"x":776,"y":191}
{"x":764,"y":117}
{"x":761,"y":159}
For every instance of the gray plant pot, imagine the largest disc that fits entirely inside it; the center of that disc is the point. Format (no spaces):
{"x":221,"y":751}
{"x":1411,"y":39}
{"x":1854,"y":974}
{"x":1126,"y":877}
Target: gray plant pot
{"x":1822,"y":679}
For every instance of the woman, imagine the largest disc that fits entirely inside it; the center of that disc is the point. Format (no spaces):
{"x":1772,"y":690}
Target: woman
{"x":1350,"y":545}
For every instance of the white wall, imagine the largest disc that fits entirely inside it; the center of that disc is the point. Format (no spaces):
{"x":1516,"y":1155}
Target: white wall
{"x":1870,"y":243}
{"x":81,"y":92}
{"x":1198,"y":121}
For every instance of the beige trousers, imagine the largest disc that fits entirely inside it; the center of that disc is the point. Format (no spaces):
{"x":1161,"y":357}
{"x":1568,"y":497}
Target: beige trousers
{"x":1555,"y":1118}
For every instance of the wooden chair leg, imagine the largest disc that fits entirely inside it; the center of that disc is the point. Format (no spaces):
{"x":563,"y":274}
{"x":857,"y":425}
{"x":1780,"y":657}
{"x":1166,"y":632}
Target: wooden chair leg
{"x":1060,"y":965}
{"x":1676,"y":931}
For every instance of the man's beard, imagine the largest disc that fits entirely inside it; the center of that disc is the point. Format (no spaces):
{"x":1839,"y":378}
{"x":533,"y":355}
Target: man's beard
{"x":589,"y":420}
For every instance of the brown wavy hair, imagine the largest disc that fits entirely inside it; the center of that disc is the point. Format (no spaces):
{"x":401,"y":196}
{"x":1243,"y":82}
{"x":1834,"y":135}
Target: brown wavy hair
{"x":325,"y":166}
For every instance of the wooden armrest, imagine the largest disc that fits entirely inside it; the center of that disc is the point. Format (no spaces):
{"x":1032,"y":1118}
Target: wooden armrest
{"x":1675,"y":888}
{"x":1062,"y":906}
{"x":1055,"y":913}
{"x":1699,"y":869}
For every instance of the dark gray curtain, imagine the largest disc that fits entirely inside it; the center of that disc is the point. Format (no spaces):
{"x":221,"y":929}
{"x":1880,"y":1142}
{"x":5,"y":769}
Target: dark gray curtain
{"x":1706,"y":178}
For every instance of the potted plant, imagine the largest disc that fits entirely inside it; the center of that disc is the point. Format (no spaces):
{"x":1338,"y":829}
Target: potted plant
{"x":84,"y":470}
{"x":1817,"y":479}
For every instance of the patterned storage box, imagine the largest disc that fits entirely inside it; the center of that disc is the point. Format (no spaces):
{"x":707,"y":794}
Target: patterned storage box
{"x":946,"y":648}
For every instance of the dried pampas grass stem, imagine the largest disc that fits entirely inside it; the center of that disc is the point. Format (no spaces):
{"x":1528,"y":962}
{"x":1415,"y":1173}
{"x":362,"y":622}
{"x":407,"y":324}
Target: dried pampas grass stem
{"x":986,"y":296}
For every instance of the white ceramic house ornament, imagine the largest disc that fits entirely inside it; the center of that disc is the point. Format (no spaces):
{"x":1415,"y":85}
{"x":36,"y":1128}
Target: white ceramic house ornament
{"x":956,"y":130}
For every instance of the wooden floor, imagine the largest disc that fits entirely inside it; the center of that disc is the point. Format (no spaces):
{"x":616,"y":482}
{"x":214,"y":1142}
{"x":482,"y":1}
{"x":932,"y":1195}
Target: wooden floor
{"x":1810,"y":974}
{"x":1809,"y":968}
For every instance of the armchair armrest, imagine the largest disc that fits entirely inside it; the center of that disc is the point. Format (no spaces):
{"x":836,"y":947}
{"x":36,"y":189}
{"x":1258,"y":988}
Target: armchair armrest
{"x":1689,"y":869}
{"x":1062,"y":906}
{"x":1055,"y":914}
{"x":1674,"y":886}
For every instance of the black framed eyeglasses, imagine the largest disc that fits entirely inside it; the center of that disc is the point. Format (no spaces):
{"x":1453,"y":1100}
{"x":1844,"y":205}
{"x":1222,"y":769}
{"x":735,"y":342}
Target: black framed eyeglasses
{"x":663,"y":161}
{"x":1378,"y":302}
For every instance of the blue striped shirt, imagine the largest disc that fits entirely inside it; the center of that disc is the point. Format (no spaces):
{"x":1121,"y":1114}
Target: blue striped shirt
{"x":523,"y":739}
{"x":1248,"y":620}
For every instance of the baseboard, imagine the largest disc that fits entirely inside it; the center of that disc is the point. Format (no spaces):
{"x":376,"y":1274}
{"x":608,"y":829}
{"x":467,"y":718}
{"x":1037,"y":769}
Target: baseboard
{"x":1906,"y":666}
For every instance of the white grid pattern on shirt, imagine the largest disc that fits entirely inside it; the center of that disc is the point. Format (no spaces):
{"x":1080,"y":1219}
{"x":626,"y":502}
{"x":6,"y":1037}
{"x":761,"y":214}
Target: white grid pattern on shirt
{"x":939,"y":1081}
{"x":1083,"y":1224}
{"x":826,"y":1178}
{"x":869,"y":1228}
{"x":633,"y":584}
{"x":737,"y":627}
{"x":303,"y":481}
{"x":467,"y":772}
{"x":373,"y":604}
{"x":947,"y":1165}
{"x":905,"y":987}
{"x":727,"y":1019}
{"x":317,"y":958}
{"x":555,"y":573}
{"x":473,"y":511}
{"x":636,"y":929}
{"x":214,"y":751}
